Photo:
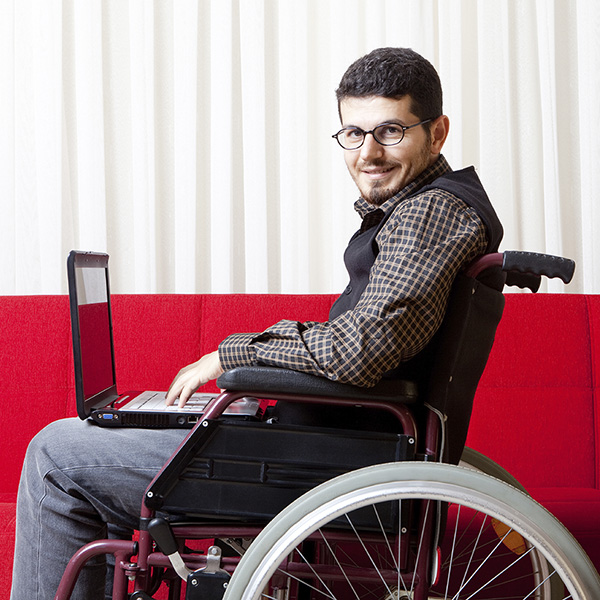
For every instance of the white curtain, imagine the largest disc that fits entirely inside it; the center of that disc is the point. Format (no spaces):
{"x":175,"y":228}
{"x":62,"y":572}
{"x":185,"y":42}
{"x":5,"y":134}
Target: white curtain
{"x":190,"y":139}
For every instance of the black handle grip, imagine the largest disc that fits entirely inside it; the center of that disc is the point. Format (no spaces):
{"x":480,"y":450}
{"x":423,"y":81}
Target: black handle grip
{"x":161,"y":532}
{"x":539,"y":264}
{"x":524,"y":280}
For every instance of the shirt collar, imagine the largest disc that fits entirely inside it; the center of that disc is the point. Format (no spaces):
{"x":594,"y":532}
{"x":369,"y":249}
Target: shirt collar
{"x":437,"y":169}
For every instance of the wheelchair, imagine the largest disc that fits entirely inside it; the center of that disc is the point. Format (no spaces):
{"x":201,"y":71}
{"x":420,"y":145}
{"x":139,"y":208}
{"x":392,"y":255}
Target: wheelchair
{"x":258,"y":509}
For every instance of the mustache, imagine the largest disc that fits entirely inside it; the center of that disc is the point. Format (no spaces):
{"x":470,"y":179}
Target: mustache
{"x":378,"y":163}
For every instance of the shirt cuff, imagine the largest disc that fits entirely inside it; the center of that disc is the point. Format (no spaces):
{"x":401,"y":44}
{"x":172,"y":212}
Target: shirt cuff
{"x":236,"y":351}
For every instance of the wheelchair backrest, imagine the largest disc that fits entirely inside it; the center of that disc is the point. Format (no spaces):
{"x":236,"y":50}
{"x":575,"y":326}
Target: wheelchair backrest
{"x":459,"y":354}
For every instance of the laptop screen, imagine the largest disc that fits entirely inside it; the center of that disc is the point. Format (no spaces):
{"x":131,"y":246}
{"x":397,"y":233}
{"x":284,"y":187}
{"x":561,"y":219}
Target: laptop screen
{"x":92,"y":329}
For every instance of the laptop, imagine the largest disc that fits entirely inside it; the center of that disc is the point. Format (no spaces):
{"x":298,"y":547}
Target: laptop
{"x":94,"y":360}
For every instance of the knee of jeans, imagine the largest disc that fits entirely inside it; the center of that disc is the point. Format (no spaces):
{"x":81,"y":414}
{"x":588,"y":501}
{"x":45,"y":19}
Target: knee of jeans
{"x":51,"y":441}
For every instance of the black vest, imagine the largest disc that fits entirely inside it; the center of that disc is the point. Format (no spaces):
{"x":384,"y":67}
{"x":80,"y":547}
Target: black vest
{"x":362,"y":249}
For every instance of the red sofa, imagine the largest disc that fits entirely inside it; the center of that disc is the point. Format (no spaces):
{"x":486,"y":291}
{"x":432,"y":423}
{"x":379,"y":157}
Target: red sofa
{"x":537,"y":410}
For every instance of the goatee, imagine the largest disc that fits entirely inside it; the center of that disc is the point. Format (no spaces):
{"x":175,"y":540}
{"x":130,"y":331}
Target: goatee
{"x":379,"y":194}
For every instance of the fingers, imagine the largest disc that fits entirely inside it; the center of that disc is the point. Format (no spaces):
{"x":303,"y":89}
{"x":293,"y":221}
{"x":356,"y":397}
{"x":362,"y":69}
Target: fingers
{"x":184,"y":385}
{"x":177,"y":385}
{"x":190,"y":378}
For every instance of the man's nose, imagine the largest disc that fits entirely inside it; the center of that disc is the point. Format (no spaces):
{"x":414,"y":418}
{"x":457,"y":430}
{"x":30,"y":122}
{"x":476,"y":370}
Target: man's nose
{"x":371,"y":148}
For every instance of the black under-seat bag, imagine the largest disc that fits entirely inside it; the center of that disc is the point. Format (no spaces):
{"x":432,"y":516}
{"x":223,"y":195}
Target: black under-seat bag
{"x":250,"y":471}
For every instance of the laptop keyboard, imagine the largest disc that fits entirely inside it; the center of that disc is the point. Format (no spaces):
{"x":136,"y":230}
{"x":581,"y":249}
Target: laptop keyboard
{"x":155,"y":401}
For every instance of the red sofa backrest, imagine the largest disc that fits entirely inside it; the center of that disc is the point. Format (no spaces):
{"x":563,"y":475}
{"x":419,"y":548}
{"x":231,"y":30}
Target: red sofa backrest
{"x":536,"y":411}
{"x":35,"y":374}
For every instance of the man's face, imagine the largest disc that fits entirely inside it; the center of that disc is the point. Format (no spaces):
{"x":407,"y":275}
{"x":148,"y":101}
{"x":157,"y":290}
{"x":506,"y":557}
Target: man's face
{"x":379,"y":171}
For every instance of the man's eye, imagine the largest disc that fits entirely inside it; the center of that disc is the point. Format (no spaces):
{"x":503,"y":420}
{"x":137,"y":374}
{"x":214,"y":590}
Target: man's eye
{"x":390,"y":131}
{"x":354,"y":134}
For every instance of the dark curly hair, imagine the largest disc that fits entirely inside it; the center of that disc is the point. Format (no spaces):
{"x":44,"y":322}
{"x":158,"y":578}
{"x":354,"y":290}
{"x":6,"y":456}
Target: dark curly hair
{"x":394,"y":73}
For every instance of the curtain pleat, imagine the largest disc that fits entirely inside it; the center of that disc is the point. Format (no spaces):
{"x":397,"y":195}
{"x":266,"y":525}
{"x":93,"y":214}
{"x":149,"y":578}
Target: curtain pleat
{"x":191,"y":139}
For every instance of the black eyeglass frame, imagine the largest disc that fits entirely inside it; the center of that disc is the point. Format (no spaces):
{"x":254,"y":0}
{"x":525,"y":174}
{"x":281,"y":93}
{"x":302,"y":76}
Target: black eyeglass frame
{"x":404,"y":129}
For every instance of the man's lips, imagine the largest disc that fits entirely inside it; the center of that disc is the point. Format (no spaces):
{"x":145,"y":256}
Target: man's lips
{"x":375,"y":173}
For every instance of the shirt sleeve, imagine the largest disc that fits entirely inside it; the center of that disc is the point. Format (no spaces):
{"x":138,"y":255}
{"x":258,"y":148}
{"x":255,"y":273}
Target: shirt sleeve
{"x":422,"y":247}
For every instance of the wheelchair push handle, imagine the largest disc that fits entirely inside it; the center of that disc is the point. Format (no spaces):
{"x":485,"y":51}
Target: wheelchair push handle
{"x":539,"y":264}
{"x":525,"y":269}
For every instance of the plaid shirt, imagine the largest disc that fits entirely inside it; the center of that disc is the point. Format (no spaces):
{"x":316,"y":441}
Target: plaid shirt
{"x":427,"y":239}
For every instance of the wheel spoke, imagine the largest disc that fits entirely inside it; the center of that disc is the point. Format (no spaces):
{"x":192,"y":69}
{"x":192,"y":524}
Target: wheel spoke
{"x":359,"y":538}
{"x":470,"y":560}
{"x":452,"y":553}
{"x":335,"y":557}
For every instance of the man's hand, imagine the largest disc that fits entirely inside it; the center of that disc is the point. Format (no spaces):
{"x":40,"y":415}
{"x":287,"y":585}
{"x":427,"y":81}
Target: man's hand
{"x":190,"y":378}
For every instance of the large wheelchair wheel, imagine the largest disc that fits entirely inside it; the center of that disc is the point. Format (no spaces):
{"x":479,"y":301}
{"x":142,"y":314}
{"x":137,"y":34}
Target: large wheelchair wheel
{"x":319,"y":547}
{"x":551,"y":587}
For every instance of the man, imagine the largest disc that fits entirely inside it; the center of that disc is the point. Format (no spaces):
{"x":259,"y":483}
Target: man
{"x":422,"y":223}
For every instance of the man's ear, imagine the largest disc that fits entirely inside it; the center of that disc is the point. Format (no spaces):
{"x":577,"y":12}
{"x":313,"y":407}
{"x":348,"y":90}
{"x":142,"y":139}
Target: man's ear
{"x":439,"y":132}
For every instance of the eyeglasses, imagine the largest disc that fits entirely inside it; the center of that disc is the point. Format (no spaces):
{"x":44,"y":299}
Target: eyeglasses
{"x":386,"y":134}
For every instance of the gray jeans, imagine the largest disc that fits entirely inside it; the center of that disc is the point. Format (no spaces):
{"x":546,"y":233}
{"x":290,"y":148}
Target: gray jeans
{"x":77,"y":478}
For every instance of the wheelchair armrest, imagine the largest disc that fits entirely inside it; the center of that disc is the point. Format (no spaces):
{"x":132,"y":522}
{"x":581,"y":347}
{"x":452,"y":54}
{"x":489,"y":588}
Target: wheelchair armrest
{"x":265,"y":380}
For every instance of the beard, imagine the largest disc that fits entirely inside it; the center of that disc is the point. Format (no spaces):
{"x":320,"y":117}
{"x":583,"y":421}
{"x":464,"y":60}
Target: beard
{"x":379,"y":192}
